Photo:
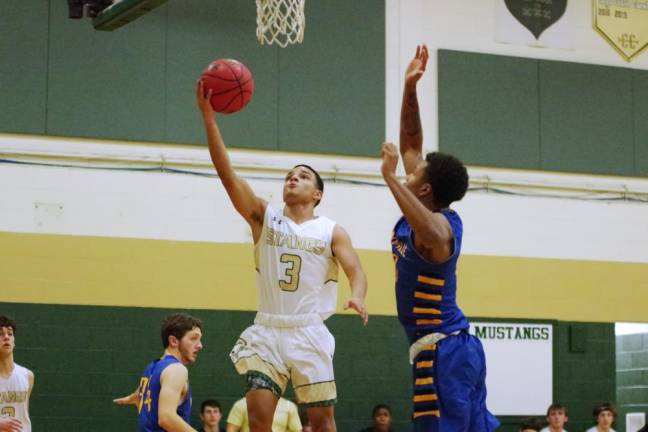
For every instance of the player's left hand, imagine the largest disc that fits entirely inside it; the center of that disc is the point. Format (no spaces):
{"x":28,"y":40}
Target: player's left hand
{"x":131,"y":399}
{"x":358,"y":305}
{"x":389,"y":155}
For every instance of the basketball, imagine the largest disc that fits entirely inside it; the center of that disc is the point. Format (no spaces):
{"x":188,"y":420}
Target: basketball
{"x":231,"y":84}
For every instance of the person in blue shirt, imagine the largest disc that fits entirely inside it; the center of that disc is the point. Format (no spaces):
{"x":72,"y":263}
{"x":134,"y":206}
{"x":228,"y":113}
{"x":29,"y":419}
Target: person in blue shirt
{"x":448,"y":363}
{"x":163,"y":397}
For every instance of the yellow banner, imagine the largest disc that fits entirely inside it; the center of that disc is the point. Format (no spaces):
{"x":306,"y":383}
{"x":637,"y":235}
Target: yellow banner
{"x":624,"y":24}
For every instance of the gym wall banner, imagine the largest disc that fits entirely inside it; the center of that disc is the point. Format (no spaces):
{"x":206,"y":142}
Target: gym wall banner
{"x":519,"y":366}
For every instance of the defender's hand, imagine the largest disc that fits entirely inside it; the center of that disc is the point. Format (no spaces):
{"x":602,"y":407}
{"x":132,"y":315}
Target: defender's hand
{"x":389,"y":155}
{"x":417,"y":66}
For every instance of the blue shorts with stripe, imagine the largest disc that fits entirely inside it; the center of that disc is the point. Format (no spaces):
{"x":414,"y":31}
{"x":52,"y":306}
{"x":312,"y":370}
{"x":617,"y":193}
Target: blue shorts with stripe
{"x":450,"y":387}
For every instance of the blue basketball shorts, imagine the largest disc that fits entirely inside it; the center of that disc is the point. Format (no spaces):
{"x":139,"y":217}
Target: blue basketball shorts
{"x":450,"y":387}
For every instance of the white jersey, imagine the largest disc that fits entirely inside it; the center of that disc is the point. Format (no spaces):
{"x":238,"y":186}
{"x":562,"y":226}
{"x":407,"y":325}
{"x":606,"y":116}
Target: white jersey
{"x":296,"y":271}
{"x":14,"y":396}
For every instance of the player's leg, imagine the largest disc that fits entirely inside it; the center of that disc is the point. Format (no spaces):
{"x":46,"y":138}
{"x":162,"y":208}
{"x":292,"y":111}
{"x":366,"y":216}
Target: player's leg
{"x":459,"y":376}
{"x":266,"y":377}
{"x":310,"y":358}
{"x":321,"y":418}
{"x":261,"y":405}
{"x":426,"y":410}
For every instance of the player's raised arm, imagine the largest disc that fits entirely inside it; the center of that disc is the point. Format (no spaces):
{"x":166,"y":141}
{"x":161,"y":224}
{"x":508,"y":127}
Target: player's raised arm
{"x":411,"y":132}
{"x":431,"y":229}
{"x":172,"y":386}
{"x":241,"y":194}
{"x":348,"y":258}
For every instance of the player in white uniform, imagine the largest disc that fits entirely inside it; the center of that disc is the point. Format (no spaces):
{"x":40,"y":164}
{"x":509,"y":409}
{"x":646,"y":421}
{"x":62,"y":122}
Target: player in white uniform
{"x":296,"y":257}
{"x":16,"y":383}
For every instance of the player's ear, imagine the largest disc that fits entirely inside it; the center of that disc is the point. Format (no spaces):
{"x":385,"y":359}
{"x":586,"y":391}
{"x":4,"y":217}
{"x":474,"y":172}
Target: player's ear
{"x":173,"y":341}
{"x":425,"y":189}
{"x":318,"y":195}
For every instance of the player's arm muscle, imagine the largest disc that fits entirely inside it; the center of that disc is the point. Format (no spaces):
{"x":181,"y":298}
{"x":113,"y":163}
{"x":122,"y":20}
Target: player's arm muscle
{"x":172,"y":385}
{"x":239,"y":191}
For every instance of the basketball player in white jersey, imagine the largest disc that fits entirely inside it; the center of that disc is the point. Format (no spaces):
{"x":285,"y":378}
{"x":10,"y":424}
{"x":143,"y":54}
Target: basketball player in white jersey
{"x":16,"y":383}
{"x":296,"y":256}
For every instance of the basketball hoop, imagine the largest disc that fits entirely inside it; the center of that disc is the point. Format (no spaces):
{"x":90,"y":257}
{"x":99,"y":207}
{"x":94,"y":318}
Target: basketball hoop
{"x":280,"y":21}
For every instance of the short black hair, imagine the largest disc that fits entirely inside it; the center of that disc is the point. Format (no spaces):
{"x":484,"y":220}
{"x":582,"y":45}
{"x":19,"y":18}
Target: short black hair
{"x":448,"y":177}
{"x":379,"y":407}
{"x":556,"y":407}
{"x":318,"y":179}
{"x":6,"y":321}
{"x":210,"y":403}
{"x":178,"y":325}
{"x":531,"y":423}
{"x":605,"y":406}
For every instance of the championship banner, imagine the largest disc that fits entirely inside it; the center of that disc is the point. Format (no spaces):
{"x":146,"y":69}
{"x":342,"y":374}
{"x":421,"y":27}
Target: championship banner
{"x":541,"y":23}
{"x":624,"y":24}
{"x":519,"y":366}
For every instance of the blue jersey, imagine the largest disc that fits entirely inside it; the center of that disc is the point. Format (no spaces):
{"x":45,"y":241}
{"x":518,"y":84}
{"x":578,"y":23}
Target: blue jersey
{"x":426,"y":292}
{"x":149,"y":391}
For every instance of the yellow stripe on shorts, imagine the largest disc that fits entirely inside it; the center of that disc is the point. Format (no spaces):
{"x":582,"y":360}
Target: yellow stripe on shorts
{"x":424,"y":364}
{"x":424,"y":381}
{"x":423,"y":398}
{"x":424,"y":413}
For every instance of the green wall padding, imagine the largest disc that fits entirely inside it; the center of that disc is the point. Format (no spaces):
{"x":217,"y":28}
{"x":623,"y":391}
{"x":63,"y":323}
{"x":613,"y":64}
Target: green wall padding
{"x":523,"y":113}
{"x":84,"y":356}
{"x":137,"y":82}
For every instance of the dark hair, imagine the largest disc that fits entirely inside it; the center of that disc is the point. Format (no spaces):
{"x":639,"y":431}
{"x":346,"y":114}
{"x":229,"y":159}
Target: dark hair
{"x":447,"y":176}
{"x":178,"y":325}
{"x":530,"y":423}
{"x":379,"y":407}
{"x":6,"y":321}
{"x":605,"y":406}
{"x":556,"y":407}
{"x":318,"y":179}
{"x":210,"y":403}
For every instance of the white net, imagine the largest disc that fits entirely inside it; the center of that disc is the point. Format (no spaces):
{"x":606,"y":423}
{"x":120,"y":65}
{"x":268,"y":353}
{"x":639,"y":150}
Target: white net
{"x":280,"y":21}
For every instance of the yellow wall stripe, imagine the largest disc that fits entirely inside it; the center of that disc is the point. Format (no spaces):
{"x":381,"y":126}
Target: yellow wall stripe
{"x":43,"y":268}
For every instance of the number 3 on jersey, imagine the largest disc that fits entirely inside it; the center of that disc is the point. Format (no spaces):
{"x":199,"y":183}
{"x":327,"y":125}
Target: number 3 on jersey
{"x":292,"y":272}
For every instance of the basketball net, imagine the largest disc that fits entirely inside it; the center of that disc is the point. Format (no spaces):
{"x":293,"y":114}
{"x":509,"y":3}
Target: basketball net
{"x":280,"y":21}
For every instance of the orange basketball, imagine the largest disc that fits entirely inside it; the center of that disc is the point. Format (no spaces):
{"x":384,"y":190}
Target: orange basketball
{"x":231,"y":84}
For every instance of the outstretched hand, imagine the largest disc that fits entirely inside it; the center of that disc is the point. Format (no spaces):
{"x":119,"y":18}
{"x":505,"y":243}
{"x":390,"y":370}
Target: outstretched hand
{"x":357,"y":304}
{"x":389,"y":155}
{"x":203,"y":99}
{"x":417,"y":66}
{"x":131,"y":399}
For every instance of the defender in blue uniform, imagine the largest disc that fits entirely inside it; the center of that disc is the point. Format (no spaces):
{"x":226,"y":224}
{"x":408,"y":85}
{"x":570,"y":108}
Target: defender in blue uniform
{"x":448,"y":364}
{"x":163,"y":397}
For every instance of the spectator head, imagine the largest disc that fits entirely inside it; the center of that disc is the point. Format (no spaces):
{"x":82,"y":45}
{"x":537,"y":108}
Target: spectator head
{"x":556,"y":416}
{"x":604,"y":414}
{"x":381,"y":416}
{"x":210,"y":413}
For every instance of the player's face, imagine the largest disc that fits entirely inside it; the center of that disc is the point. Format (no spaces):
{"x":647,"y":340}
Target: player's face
{"x":190,"y":345}
{"x":300,"y":186}
{"x":557,"y":418}
{"x":605,"y":419}
{"x":415,"y":181}
{"x":211,"y":416}
{"x":7,"y":340}
{"x":382,"y":419}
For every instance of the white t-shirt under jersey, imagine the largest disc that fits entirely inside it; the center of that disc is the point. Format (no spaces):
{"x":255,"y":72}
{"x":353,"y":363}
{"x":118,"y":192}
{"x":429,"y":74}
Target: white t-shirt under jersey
{"x":14,"y":396}
{"x":296,"y":271}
